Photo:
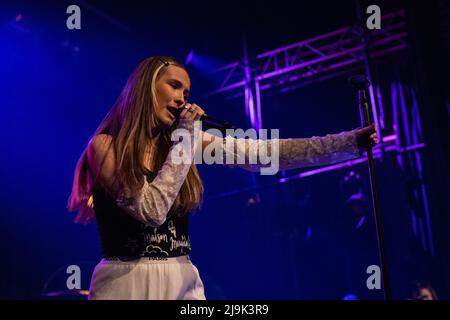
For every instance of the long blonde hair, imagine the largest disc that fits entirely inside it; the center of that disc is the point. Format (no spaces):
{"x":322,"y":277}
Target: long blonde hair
{"x":131,"y":123}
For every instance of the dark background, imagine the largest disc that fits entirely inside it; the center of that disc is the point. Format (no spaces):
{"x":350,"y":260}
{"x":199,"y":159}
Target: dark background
{"x":296,"y":241}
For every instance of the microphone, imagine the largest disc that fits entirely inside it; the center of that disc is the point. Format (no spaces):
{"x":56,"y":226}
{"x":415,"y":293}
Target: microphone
{"x":210,"y":122}
{"x":361,"y":83}
{"x":207,"y":121}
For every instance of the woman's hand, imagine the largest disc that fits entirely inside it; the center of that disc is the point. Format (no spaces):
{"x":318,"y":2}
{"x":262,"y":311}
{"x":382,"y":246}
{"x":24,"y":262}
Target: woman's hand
{"x":191,"y":112}
{"x":366,"y":136}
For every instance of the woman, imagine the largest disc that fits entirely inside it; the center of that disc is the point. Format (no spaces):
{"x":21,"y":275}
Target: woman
{"x":128,"y":181}
{"x":423,"y":291}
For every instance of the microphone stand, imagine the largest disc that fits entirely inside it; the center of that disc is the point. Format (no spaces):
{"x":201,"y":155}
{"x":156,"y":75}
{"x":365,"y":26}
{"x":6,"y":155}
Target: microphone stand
{"x":361,"y":83}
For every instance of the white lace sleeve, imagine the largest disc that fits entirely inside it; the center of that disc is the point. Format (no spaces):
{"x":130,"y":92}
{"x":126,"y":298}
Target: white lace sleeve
{"x":259,"y":155}
{"x":152,"y":203}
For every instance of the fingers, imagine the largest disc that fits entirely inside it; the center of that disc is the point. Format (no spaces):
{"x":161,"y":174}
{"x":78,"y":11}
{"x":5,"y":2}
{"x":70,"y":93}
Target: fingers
{"x":373,"y":139}
{"x":198,"y":111}
{"x":373,"y":135}
{"x":367,"y":136}
{"x":184,"y":113}
{"x":192,"y":112}
{"x":369,"y":130}
{"x":188,"y":112}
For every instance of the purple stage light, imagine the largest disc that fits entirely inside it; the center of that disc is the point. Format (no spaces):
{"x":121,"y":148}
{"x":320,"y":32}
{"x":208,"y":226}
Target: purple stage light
{"x":189,"y":57}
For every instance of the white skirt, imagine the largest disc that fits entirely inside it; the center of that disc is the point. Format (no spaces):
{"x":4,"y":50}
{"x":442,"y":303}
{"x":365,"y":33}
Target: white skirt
{"x":146,"y":279}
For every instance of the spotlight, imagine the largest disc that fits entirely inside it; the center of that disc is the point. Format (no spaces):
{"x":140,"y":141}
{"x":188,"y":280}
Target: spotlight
{"x":189,"y":57}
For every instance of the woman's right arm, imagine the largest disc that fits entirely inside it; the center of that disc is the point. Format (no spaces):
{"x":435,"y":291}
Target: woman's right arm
{"x":153,"y":201}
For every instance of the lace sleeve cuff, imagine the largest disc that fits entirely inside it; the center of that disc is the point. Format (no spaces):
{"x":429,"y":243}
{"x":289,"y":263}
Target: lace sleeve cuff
{"x":154,"y":200}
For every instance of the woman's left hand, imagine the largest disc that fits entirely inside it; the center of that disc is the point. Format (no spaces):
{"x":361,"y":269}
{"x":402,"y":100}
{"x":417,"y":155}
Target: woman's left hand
{"x":366,"y":136}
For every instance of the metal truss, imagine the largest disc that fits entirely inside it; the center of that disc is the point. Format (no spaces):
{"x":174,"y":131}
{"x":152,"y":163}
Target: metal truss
{"x":326,"y":55}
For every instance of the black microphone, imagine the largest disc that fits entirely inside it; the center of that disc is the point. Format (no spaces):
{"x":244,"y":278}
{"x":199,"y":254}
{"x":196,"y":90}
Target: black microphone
{"x":210,"y":122}
{"x":207,"y":121}
{"x":361,"y":83}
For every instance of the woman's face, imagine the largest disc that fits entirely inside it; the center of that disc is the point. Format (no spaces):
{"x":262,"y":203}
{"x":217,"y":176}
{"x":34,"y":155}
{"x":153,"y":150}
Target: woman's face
{"x":424,"y":294}
{"x":172,"y":91}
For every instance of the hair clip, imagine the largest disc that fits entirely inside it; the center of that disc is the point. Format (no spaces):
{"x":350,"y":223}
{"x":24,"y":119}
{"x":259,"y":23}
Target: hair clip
{"x":166,"y":63}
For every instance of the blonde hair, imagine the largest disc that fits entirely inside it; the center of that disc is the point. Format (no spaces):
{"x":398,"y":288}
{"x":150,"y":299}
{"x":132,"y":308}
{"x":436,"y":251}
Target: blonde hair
{"x":128,"y":124}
